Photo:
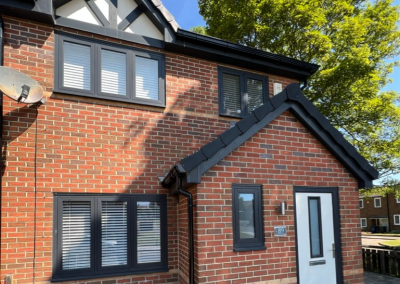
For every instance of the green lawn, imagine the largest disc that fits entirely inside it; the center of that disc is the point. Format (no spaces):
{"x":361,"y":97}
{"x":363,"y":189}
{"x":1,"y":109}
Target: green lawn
{"x":391,"y":243}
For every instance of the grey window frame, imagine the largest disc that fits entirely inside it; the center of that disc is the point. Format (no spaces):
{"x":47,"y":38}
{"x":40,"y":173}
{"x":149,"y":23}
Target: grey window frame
{"x":361,"y":201}
{"x":96,"y":270}
{"x":256,"y":243}
{"x":95,"y":89}
{"x":243,"y":75}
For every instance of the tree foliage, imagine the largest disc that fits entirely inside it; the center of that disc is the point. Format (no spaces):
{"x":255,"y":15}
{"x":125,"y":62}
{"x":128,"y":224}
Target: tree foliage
{"x":350,"y":39}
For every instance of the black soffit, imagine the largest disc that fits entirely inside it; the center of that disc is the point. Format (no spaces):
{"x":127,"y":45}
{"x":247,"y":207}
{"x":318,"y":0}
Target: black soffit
{"x":292,"y":99}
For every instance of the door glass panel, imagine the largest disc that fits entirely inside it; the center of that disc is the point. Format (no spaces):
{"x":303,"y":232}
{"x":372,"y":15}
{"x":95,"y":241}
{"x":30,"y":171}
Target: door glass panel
{"x":314,"y":209}
{"x":246,"y":215}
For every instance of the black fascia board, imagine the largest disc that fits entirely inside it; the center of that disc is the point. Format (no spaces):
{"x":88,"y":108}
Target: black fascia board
{"x":38,"y":11}
{"x":292,"y":99}
{"x":215,"y":49}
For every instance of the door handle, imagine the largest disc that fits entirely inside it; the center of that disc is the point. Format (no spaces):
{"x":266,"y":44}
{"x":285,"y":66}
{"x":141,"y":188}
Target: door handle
{"x":333,"y":250}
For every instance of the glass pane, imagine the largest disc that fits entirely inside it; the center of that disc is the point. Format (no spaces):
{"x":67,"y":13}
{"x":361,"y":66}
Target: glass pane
{"x":113,"y":72}
{"x":146,"y":78}
{"x":76,"y":66}
{"x":114,"y":233}
{"x":231,"y":93}
{"x":148,"y":232}
{"x":76,"y":235}
{"x":397,"y":219}
{"x":246,"y":216}
{"x":315,"y":227}
{"x":255,"y":94}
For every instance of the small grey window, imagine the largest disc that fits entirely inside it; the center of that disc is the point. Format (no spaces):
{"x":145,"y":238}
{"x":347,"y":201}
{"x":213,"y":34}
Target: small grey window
{"x":361,"y":203}
{"x":240,"y":92}
{"x":98,"y":69}
{"x":248,"y":229}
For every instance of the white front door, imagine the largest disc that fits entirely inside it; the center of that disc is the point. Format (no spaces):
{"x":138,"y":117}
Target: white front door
{"x":315,"y":238}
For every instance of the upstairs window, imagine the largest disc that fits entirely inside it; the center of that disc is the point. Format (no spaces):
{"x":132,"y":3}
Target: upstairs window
{"x":240,"y":92}
{"x":102,"y":70}
{"x":100,"y":235}
{"x":398,"y":200}
{"x":361,"y":203}
{"x":377,"y":202}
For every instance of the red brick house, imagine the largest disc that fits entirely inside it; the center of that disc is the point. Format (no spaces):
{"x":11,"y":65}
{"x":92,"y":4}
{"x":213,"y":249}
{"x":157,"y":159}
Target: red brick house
{"x":165,"y":156}
{"x":380,"y":213}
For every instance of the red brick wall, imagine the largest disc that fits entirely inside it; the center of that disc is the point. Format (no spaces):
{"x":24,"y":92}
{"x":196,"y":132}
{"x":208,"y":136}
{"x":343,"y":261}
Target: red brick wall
{"x":282,"y":155}
{"x":369,"y":211}
{"x":94,"y":146}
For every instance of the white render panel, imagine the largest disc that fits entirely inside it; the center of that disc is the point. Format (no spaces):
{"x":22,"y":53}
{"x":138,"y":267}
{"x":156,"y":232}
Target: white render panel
{"x":78,"y":10}
{"x":124,"y":8}
{"x":104,"y":8}
{"x":143,"y":26}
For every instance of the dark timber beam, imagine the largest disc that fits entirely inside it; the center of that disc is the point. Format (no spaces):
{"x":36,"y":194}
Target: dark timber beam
{"x":131,"y":18}
{"x":96,"y":11}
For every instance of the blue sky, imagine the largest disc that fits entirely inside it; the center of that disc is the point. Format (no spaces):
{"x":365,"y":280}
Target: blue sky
{"x":186,"y":13}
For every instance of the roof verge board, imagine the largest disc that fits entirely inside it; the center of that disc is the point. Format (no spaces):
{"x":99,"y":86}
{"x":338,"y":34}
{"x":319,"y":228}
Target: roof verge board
{"x":291,"y":98}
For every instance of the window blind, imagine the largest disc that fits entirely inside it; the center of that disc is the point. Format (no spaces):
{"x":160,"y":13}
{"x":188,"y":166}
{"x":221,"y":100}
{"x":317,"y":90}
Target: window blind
{"x":231,"y":93}
{"x":76,"y":249}
{"x":114,"y":233}
{"x":146,"y":78}
{"x":255,"y":94}
{"x":113,"y":72}
{"x":77,"y":64}
{"x":148,"y":232}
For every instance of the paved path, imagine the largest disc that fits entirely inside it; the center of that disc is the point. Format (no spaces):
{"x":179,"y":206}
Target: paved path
{"x":375,"y":278}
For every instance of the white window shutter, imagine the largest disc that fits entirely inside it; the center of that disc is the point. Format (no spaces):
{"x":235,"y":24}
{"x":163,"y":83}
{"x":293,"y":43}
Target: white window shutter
{"x":113,"y":72}
{"x":146,"y":78}
{"x":76,"y":226}
{"x":254,"y":93}
{"x":114,"y":233}
{"x":148,"y":232}
{"x":77,"y":73}
{"x":231,"y":93}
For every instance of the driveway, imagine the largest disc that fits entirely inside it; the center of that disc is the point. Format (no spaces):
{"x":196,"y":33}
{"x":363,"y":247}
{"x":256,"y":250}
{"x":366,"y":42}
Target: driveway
{"x":374,"y":278}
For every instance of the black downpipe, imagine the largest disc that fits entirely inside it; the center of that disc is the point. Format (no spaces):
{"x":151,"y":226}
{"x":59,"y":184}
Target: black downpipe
{"x":388,"y":212}
{"x":190,"y":217}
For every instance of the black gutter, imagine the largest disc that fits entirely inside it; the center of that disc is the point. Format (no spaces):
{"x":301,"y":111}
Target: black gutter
{"x":190,"y":218}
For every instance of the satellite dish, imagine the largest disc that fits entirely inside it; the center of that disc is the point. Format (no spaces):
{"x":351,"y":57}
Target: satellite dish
{"x":19,"y":86}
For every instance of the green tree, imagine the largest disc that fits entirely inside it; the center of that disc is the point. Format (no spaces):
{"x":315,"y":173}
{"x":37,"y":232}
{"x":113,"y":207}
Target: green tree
{"x":351,"y":40}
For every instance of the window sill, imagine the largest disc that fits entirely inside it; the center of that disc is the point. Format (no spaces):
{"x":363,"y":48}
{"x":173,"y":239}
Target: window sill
{"x":110,"y":98}
{"x":237,"y":249}
{"x":116,"y":274}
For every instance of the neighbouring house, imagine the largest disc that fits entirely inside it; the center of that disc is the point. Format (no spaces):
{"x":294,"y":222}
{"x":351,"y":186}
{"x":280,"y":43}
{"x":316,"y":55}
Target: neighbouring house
{"x":166,"y":156}
{"x":380,"y":214}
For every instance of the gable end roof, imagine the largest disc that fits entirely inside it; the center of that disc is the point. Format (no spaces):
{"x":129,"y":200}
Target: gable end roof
{"x":292,"y":99}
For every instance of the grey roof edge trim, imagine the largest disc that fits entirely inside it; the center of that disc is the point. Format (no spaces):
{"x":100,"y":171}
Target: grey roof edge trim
{"x":167,"y":15}
{"x":292,"y":99}
{"x":227,"y":45}
{"x":327,"y":139}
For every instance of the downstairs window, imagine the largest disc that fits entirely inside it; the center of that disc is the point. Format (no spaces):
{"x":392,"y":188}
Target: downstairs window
{"x":101,"y":235}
